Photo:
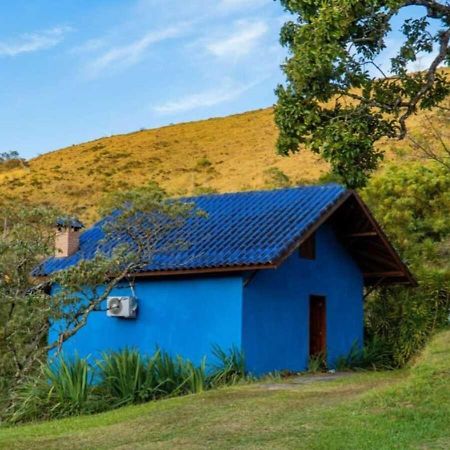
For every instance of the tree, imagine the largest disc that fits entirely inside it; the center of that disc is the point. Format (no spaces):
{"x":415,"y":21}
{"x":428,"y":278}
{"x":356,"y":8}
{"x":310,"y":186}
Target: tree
{"x":338,"y":101}
{"x":432,"y":140}
{"x":143,"y":223}
{"x":11,"y":160}
{"x":412,"y":202}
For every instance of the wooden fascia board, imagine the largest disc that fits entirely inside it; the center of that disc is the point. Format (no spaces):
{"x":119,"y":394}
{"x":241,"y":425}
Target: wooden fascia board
{"x":210,"y":270}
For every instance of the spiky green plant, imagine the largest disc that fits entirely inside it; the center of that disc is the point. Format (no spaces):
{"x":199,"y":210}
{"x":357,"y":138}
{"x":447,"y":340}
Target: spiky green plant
{"x":124,"y":376}
{"x":316,"y":363}
{"x":229,"y":368}
{"x":373,"y":355}
{"x":197,"y":379}
{"x":61,"y":389}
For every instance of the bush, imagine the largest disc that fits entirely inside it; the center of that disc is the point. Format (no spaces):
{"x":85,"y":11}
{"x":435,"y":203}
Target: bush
{"x":60,"y":389}
{"x":412,"y":204}
{"x":276,"y":178}
{"x":404,"y":319}
{"x":230,"y":367}
{"x":203,"y":163}
{"x":373,"y":355}
{"x":73,"y":387}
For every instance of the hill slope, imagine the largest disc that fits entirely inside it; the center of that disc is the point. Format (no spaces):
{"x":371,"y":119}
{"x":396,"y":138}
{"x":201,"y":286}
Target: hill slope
{"x":223,"y":154}
{"x":373,"y":410}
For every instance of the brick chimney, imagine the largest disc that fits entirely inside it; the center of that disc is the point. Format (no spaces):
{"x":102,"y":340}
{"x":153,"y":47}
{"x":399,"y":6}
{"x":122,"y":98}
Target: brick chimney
{"x":67,"y":239}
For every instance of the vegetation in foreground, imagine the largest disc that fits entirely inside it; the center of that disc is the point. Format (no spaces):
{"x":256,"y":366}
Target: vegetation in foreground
{"x":404,"y":409}
{"x":72,"y":387}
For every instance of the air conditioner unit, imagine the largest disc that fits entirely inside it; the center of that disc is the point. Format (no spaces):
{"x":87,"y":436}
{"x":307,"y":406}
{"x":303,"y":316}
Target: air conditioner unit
{"x":124,"y":307}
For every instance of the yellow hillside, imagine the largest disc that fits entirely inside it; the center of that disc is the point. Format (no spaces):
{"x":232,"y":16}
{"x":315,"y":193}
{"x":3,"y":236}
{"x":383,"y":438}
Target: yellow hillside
{"x":223,"y":154}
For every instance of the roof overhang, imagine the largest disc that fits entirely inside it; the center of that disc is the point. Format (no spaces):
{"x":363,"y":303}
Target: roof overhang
{"x":358,"y":231}
{"x":364,"y":239}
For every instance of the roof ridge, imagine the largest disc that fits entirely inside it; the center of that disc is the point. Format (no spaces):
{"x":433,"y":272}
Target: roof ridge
{"x":263,"y":191}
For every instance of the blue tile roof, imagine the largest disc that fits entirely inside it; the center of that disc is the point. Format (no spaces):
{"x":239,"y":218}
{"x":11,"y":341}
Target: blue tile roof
{"x":241,"y":229}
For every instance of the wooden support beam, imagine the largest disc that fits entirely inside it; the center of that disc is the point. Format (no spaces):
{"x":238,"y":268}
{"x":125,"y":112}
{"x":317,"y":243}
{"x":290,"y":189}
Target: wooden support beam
{"x":361,"y":234}
{"x":383,"y":274}
{"x":371,"y":256}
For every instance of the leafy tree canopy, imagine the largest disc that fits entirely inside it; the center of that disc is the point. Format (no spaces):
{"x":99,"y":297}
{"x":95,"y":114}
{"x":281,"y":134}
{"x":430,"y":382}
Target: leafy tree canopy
{"x":337,"y":100}
{"x":144,"y":216}
{"x":412,"y":203}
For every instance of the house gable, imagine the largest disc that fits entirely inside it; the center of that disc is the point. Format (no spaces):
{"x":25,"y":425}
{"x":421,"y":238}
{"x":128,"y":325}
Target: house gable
{"x":276,"y":306}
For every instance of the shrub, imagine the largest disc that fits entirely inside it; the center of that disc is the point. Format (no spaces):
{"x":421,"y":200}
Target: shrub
{"x":203,"y":163}
{"x":404,"y":319}
{"x":276,"y":178}
{"x":74,"y":387}
{"x":373,"y":355}
{"x":60,"y":389}
{"x":412,"y":203}
{"x":229,"y":368}
{"x":124,"y":376}
{"x":202,"y":190}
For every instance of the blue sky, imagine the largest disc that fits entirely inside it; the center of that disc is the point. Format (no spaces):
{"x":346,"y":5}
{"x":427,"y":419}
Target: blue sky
{"x":75,"y":70}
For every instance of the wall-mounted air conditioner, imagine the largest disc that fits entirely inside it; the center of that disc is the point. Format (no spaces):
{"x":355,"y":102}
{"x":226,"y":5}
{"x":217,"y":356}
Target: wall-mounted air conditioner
{"x":124,"y":307}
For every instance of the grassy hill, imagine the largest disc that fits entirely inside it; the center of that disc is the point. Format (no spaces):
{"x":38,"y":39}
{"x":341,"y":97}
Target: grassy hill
{"x":406,"y":409}
{"x":222,"y":154}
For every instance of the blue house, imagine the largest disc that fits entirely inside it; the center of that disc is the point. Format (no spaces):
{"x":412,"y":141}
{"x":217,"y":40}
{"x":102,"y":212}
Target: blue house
{"x":280,"y":274}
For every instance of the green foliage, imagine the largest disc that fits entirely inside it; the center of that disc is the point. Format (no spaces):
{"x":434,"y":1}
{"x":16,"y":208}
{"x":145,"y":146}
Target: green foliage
{"x":125,"y":377}
{"x":230,"y":366}
{"x":202,"y":190}
{"x":203,"y":163}
{"x":330,"y":177}
{"x":407,"y":409}
{"x":276,"y":178}
{"x":60,"y":389}
{"x":11,"y":160}
{"x":412,"y":202}
{"x":403,"y":320}
{"x":332,"y":103}
{"x":373,"y":355}
{"x":317,"y":363}
{"x":67,"y":388}
{"x":25,"y":237}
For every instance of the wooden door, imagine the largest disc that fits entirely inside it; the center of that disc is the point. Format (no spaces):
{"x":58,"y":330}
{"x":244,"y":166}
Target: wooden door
{"x":317,"y":325}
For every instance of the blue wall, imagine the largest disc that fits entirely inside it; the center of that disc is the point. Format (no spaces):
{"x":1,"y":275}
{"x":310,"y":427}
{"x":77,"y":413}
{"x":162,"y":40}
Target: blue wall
{"x":276,"y":307}
{"x":182,"y":316}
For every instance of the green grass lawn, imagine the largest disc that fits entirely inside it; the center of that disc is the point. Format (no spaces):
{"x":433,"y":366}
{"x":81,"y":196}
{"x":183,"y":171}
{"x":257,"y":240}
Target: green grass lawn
{"x":374,"y":410}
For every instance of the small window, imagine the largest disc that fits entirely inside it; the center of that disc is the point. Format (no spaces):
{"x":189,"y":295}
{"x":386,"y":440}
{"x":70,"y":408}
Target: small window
{"x":307,"y":249}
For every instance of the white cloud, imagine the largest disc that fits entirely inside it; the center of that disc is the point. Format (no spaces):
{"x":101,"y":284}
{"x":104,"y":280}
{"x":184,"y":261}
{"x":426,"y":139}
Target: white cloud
{"x":32,"y":42}
{"x":127,"y":55}
{"x":241,"y":42}
{"x":227,"y":92}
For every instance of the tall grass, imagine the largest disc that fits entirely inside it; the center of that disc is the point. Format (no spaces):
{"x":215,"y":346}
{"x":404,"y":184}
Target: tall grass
{"x":61,"y":389}
{"x":229,"y":368}
{"x":71,"y":387}
{"x":373,"y":355}
{"x":124,"y":376}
